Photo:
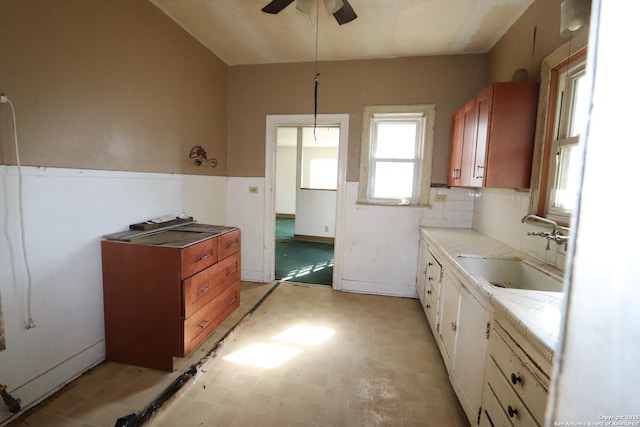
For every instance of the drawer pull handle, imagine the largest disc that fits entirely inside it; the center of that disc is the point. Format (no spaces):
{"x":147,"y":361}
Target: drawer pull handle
{"x":205,"y":289}
{"x":203,"y":257}
{"x":204,"y":324}
{"x":233,"y":301}
{"x":232,"y":244}
{"x":515,"y":379}
{"x":453,"y":326}
{"x":512,"y":411}
{"x":233,"y":270}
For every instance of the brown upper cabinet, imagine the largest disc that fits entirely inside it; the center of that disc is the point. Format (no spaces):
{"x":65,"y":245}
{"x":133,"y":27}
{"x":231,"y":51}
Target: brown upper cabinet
{"x":492,"y":137}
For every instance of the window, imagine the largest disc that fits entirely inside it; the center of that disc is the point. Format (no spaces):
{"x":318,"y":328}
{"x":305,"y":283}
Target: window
{"x":395,"y":165}
{"x":565,"y":155}
{"x":558,"y":161}
{"x":319,"y":157}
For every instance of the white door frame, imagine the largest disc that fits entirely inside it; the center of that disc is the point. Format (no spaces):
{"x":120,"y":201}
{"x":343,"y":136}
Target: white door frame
{"x":269,"y":240}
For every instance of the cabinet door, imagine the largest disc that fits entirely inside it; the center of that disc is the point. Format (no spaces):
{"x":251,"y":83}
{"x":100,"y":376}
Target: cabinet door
{"x":423,"y":254}
{"x":457,"y":141}
{"x":471,"y":348}
{"x":483,"y":111}
{"x":449,"y":324}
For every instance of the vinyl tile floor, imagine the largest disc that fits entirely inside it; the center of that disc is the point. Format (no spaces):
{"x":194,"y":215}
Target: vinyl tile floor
{"x":308,"y":356}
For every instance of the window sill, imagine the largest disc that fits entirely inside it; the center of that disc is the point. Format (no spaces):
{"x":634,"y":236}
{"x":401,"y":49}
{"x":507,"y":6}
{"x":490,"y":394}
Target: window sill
{"x":392,"y":205}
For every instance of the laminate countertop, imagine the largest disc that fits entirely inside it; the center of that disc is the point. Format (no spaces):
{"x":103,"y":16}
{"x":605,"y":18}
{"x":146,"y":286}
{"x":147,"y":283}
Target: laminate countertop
{"x":536,"y":313}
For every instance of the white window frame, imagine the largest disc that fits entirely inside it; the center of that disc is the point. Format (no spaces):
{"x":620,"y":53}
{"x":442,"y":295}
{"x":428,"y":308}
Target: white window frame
{"x":544,"y":157}
{"x":424,"y":115}
{"x":565,"y":108}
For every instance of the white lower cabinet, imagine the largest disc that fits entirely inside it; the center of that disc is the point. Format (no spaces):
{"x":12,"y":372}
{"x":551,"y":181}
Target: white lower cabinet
{"x":465,"y":326}
{"x":460,"y":324}
{"x":517,"y":378}
{"x":499,"y":375}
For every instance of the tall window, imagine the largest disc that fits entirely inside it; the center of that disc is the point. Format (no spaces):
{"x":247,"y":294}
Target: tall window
{"x":558,"y":156}
{"x":565,"y":157}
{"x":396,"y":149}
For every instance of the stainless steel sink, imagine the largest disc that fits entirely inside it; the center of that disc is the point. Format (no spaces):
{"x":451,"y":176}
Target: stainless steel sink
{"x":513,"y":273}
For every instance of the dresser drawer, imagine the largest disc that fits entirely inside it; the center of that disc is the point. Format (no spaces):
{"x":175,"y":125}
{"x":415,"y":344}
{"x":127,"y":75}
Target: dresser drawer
{"x":197,"y":257}
{"x":509,"y":401}
{"x":522,"y":380}
{"x":492,"y":413}
{"x":201,"y":288}
{"x":201,"y":323}
{"x":228,"y":243}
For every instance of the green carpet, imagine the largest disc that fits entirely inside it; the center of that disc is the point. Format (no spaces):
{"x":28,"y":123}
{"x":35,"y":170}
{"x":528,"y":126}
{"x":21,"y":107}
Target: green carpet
{"x":300,"y":261}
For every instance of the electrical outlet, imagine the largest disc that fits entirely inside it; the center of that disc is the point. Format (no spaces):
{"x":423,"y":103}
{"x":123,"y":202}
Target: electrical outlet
{"x":253,"y":190}
{"x":441,"y":197}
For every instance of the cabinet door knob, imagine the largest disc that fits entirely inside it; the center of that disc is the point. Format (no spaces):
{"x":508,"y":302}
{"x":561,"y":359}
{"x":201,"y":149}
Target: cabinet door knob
{"x":430,"y":278}
{"x":515,"y":379}
{"x":430,"y":264}
{"x":429,"y":292}
{"x":427,"y":306}
{"x":512,"y":411}
{"x":453,"y":326}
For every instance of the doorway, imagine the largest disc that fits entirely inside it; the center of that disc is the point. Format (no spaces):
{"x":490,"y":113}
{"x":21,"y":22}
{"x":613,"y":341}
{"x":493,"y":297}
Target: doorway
{"x":305,"y":187}
{"x":312,"y":201}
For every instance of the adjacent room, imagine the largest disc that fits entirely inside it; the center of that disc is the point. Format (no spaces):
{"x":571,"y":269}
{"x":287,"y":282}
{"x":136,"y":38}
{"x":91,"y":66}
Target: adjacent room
{"x":318,"y":213}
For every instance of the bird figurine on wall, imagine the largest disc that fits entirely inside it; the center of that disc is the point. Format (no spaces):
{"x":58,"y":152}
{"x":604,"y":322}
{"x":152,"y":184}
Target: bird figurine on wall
{"x":199,"y":156}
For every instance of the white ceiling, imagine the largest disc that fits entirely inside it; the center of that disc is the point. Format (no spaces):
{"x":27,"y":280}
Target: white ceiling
{"x":238,"y":32}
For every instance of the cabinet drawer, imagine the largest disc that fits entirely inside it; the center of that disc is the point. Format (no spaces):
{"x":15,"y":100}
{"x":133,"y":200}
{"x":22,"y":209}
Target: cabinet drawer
{"x":204,"y":286}
{"x":492,"y":413}
{"x":197,"y":257}
{"x":523,"y":381}
{"x":198,"y":327}
{"x":509,"y":401}
{"x":228,"y":243}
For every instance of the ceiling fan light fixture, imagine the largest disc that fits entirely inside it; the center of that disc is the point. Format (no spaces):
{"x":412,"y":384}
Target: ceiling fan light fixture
{"x":333,"y":5}
{"x":304,"y":6}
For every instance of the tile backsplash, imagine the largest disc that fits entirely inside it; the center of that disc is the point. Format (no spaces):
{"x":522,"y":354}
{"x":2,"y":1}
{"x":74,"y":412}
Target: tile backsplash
{"x":498,"y":213}
{"x":495,"y":212}
{"x":450,"y":207}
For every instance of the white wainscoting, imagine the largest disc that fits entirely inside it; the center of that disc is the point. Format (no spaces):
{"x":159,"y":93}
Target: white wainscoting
{"x":66,"y":211}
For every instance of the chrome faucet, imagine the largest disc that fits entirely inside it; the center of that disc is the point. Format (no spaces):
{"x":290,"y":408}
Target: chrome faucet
{"x":552,"y":235}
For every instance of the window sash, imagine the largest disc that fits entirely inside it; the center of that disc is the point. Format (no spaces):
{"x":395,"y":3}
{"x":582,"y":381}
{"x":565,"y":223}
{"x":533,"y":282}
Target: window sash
{"x":418,"y":121}
{"x":563,"y":167}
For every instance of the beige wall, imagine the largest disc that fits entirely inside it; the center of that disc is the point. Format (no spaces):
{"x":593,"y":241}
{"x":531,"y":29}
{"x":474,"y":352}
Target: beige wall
{"x":108,"y":84}
{"x":516,"y":49}
{"x":345,"y":87}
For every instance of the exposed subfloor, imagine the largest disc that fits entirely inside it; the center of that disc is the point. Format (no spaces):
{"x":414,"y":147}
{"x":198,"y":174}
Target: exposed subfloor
{"x":308,"y":356}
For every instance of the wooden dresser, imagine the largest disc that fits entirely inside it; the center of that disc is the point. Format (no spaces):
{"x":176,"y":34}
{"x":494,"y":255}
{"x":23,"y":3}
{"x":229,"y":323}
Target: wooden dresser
{"x":165,"y":292}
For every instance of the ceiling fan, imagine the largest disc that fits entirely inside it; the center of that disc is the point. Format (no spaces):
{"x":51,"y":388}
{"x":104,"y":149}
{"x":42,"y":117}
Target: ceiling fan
{"x":340,"y":9}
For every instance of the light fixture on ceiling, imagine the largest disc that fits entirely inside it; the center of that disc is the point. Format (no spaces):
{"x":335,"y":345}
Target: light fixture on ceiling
{"x":574,"y":14}
{"x":340,"y":9}
{"x":332,"y":5}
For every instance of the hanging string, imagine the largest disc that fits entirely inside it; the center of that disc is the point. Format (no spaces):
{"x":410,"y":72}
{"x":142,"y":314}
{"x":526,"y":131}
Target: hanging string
{"x":315,"y":89}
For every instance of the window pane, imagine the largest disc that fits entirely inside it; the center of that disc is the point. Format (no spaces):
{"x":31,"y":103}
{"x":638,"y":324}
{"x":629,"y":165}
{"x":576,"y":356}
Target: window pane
{"x":393,"y":180}
{"x":323,"y":174}
{"x":566,"y":185}
{"x":579,"y":114}
{"x":395,"y":140}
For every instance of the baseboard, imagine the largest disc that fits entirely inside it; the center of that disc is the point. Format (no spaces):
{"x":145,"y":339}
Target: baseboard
{"x":395,"y":290}
{"x":319,"y":239}
{"x":285,"y":215}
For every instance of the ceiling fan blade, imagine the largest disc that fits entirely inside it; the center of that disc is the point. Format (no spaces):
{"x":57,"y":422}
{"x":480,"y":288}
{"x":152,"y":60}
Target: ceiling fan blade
{"x":276,"y":6}
{"x":345,"y":14}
